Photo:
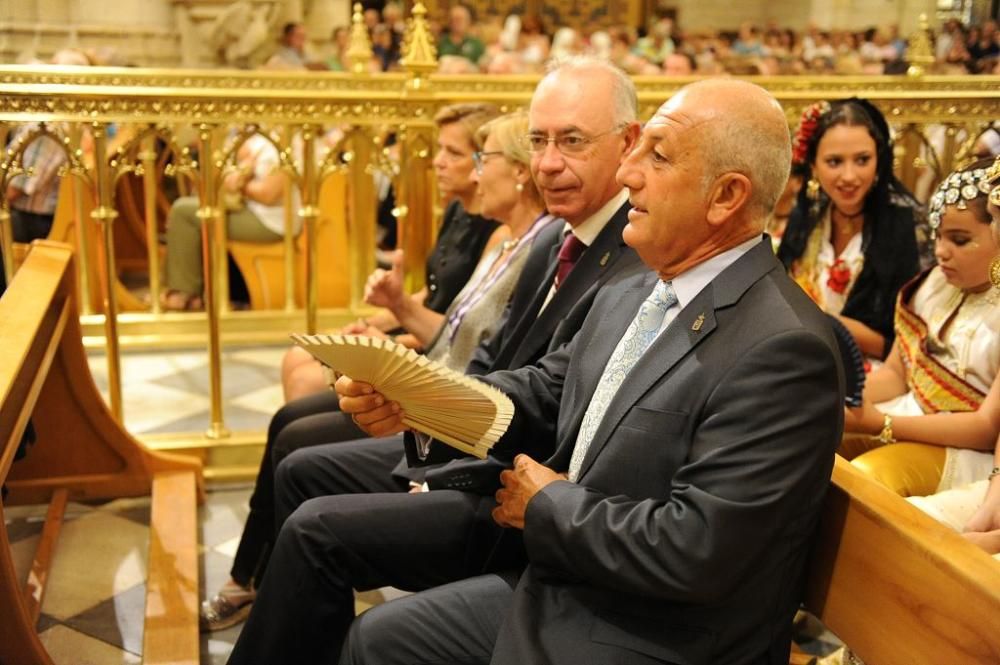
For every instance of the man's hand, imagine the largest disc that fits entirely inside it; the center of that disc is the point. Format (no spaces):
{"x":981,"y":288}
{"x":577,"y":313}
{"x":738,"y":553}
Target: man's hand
{"x":14,"y":192}
{"x":385,"y":287}
{"x":368,"y":409}
{"x":520,"y":484}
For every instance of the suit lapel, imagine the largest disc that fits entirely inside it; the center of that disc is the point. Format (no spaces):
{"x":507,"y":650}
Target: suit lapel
{"x":592,"y":266}
{"x":693,"y":324}
{"x":663,"y":354}
{"x":526,"y":331}
{"x":591,"y":361}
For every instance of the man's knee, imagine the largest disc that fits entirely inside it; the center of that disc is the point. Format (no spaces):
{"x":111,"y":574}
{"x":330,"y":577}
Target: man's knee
{"x":184,"y":210}
{"x":291,"y":470}
{"x":292,"y":437}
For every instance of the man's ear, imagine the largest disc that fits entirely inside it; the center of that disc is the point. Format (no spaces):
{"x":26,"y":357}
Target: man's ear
{"x":631,"y":134}
{"x":730,"y":194}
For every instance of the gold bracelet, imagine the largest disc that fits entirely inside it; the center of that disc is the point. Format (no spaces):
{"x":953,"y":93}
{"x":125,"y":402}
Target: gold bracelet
{"x":994,"y":473}
{"x":885,"y":436}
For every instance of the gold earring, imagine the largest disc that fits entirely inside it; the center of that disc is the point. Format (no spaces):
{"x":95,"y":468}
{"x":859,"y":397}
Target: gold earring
{"x":812,"y":189}
{"x":995,"y":272}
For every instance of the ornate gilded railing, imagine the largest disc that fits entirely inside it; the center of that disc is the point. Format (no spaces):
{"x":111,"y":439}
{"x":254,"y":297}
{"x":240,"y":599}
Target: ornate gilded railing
{"x":200,"y":117}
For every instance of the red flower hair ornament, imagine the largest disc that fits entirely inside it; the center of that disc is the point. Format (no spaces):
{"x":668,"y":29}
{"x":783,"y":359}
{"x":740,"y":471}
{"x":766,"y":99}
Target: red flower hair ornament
{"x":807,"y":127}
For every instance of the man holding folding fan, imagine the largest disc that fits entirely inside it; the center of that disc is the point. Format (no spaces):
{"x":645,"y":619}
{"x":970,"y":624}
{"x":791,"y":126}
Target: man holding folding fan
{"x":694,"y":419}
{"x":357,"y":497}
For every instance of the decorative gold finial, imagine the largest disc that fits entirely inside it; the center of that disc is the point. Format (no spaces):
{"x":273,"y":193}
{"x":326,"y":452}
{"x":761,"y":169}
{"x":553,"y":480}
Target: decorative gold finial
{"x":359,"y":53}
{"x":921,"y":52}
{"x":419,"y":51}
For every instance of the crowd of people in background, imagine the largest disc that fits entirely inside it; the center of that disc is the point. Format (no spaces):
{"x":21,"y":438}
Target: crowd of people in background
{"x":523,"y":44}
{"x":526,"y":43}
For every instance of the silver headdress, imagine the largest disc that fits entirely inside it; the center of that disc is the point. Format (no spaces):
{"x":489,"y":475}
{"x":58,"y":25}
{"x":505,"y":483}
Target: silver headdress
{"x":958,"y":188}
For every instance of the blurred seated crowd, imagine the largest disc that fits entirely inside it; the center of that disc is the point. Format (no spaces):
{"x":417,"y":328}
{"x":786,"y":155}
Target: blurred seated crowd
{"x":523,"y":44}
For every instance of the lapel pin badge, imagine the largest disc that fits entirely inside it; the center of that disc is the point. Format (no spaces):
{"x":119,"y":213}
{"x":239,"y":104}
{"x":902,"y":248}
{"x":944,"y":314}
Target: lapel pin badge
{"x":604,"y":259}
{"x":698,"y":323}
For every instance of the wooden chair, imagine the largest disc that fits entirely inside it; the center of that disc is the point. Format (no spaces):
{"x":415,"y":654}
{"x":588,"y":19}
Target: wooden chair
{"x":64,"y":230}
{"x":262,"y":264}
{"x":81,"y":452}
{"x":897,"y":586}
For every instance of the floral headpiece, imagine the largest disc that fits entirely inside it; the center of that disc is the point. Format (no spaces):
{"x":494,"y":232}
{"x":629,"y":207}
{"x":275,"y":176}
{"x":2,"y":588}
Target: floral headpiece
{"x":806,"y":129}
{"x":958,"y":188}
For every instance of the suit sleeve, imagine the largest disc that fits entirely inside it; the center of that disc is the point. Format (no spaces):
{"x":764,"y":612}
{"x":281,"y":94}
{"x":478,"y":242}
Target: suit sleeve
{"x":535,"y":391}
{"x":760,"y":458}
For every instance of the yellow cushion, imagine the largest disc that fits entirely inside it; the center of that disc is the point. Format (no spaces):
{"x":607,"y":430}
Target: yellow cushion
{"x":908,"y":469}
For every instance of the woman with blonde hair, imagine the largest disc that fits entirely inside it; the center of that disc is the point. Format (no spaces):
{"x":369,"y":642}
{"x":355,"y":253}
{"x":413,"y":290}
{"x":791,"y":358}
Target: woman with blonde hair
{"x":506,"y":193}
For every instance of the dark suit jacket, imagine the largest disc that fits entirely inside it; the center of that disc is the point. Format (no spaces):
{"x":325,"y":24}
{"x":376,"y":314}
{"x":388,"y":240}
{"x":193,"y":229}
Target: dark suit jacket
{"x":526,"y":336}
{"x":685,"y":538}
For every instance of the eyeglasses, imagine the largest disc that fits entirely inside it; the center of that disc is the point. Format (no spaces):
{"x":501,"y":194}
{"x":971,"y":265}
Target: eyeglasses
{"x":479,"y":158}
{"x":568,"y":144}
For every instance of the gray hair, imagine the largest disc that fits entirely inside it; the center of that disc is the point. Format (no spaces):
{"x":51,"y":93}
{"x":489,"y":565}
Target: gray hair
{"x":626,"y":101}
{"x":762,"y":151}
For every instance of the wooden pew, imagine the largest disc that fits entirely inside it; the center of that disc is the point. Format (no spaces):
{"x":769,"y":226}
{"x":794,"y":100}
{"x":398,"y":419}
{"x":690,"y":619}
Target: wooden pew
{"x":895,"y":585}
{"x":81,"y":452}
{"x":263,"y":264}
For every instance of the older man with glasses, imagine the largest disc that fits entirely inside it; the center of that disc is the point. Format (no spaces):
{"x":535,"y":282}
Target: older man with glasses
{"x":357,"y":528}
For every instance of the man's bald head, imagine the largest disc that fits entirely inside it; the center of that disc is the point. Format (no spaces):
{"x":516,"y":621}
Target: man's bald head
{"x":742,"y":129}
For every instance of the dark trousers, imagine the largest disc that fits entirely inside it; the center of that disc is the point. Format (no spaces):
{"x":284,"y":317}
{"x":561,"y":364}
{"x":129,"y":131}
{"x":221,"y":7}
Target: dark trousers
{"x":28,"y":226}
{"x":304,"y":422}
{"x":340,"y":536}
{"x":453,"y":624}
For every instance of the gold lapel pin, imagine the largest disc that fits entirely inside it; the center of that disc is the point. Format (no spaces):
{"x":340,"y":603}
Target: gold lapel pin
{"x":698,"y":323}
{"x":604,"y":259}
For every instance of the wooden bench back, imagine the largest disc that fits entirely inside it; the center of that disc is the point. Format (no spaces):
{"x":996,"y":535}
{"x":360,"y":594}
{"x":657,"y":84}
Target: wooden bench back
{"x":81,"y":452}
{"x":895,"y":585}
{"x":80,"y":444}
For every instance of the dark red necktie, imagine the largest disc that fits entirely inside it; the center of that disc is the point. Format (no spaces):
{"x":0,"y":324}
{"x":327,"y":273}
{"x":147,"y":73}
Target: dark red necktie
{"x":570,"y":251}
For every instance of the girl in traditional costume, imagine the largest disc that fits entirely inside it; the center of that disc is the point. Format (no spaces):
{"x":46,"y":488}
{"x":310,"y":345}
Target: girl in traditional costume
{"x":851,"y":239}
{"x":939,"y":385}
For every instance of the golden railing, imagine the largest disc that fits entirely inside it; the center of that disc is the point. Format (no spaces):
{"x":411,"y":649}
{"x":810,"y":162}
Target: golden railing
{"x":200,"y":117}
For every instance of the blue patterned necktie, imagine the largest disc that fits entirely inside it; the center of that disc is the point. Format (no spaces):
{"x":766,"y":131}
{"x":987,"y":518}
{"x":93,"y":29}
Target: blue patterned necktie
{"x":637,"y":338}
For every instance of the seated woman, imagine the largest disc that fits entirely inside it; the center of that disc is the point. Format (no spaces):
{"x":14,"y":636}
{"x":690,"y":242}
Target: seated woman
{"x":939,"y":385}
{"x":851,"y":238}
{"x":463,"y":237}
{"x":509,"y":195}
{"x":253,"y":197}
{"x":973,"y":508}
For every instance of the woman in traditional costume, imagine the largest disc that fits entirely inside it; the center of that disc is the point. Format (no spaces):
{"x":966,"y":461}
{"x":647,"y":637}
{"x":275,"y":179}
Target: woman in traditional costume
{"x":939,"y":388}
{"x":851,"y":239}
{"x":932,"y":350}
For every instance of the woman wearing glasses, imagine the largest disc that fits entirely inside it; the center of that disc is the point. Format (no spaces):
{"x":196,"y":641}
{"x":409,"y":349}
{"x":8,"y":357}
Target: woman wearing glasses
{"x":465,"y":235}
{"x":507,"y":194}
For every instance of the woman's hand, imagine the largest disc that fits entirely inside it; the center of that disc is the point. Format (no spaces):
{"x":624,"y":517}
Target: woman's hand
{"x":385,"y":287}
{"x":235,"y":181}
{"x":864,"y":419}
{"x":987,"y":517}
